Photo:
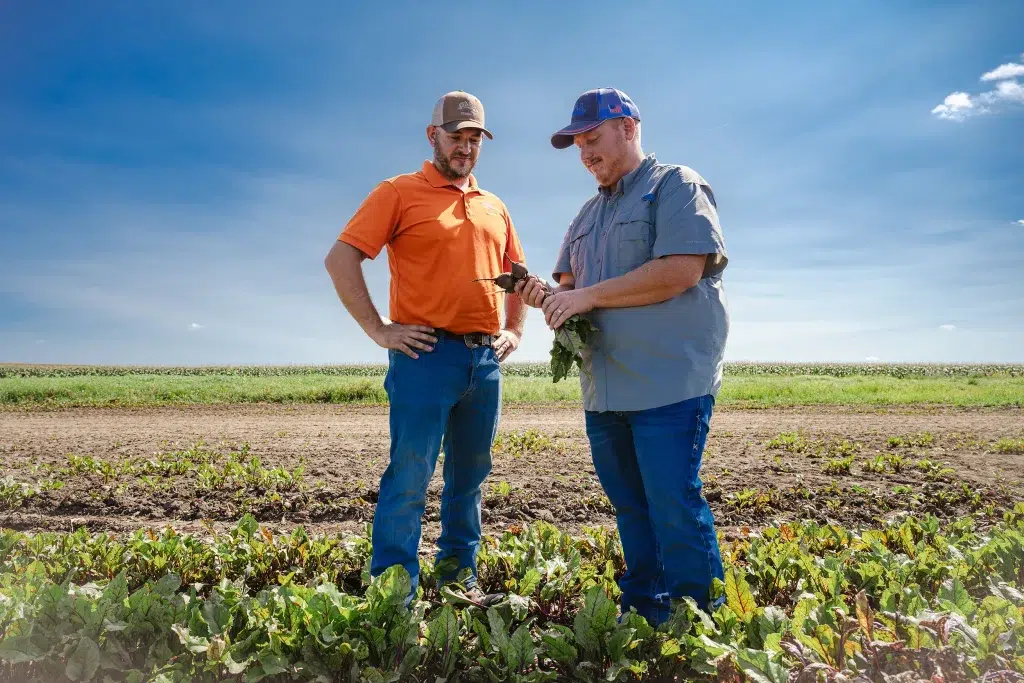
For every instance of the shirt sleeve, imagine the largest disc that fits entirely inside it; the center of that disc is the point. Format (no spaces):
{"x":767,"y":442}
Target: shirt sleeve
{"x":686,"y":222}
{"x":374,"y":222}
{"x":563,"y":264}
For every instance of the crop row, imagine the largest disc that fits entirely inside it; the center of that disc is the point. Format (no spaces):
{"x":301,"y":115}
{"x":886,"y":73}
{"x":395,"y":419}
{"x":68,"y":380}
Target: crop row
{"x":908,"y":601}
{"x":895,"y":370}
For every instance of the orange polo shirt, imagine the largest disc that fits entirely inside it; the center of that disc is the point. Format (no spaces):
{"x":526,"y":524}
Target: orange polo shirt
{"x":439,"y":239}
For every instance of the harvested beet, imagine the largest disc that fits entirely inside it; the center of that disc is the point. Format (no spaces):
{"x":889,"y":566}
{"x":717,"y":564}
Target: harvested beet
{"x":506,"y":281}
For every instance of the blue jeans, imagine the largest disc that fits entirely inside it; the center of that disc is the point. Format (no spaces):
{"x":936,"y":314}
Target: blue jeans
{"x":648,"y":462}
{"x":449,"y":396}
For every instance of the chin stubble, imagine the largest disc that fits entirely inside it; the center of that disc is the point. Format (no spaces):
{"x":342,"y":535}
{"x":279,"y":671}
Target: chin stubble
{"x":444,"y":165}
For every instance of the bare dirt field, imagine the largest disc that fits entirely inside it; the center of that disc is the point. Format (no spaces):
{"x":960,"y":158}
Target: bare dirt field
{"x":193,"y":467}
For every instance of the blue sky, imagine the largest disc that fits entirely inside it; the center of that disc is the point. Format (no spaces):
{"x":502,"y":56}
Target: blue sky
{"x":172,"y":174}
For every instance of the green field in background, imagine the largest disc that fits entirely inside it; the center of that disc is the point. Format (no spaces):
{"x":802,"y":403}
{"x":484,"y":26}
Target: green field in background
{"x":739,"y":389}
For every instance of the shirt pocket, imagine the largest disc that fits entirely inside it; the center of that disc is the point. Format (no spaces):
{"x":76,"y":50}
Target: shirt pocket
{"x":577,"y":249}
{"x":635,"y":242}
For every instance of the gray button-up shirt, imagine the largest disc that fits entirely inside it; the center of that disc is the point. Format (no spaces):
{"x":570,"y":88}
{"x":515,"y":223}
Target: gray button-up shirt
{"x":649,"y":356}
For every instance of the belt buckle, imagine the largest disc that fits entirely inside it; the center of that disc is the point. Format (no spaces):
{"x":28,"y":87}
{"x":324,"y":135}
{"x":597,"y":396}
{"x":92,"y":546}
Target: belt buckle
{"x":474,"y":339}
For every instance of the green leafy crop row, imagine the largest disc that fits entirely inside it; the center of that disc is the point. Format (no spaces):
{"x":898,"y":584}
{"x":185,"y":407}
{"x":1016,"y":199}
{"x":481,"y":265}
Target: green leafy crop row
{"x":906,"y":602}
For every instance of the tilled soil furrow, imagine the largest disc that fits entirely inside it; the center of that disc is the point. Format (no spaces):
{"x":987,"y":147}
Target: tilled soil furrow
{"x":762,"y":466}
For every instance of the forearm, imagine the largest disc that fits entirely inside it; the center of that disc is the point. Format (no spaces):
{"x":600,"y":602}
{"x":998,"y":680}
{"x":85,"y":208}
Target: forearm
{"x":515,"y":314}
{"x":344,"y":264}
{"x":564,"y":282}
{"x":653,"y":282}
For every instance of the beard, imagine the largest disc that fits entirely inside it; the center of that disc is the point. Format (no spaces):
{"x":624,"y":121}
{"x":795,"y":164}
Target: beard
{"x":444,"y":163}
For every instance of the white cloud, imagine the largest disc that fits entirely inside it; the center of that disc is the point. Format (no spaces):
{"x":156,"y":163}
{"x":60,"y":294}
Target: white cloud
{"x":1020,"y":222}
{"x":947,"y":327}
{"x":872,"y":359}
{"x":1005,"y":71}
{"x":959,"y":105}
{"x":955,"y":107}
{"x":195,"y":326}
{"x":1011,"y":91}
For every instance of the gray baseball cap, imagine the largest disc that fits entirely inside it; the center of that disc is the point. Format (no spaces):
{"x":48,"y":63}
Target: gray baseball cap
{"x":457,"y":110}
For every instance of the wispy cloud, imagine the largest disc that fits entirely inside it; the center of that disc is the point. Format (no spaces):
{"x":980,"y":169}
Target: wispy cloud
{"x":872,"y":359}
{"x":1020,"y":222}
{"x":947,"y":328}
{"x":195,"y":326}
{"x":960,"y":105}
{"x":1004,"y":71}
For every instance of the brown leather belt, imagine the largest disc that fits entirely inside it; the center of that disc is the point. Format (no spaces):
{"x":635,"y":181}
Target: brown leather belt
{"x":470,"y":339}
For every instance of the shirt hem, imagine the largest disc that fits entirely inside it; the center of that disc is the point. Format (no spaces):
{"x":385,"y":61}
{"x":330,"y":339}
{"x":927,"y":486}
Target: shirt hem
{"x":629,"y":407}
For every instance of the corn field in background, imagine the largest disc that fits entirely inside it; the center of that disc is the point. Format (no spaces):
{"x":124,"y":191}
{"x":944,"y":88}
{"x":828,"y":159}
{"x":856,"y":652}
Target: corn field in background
{"x":539,"y":369}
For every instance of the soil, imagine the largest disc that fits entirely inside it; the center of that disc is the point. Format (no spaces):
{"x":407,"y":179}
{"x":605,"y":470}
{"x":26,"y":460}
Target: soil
{"x":748,"y":480}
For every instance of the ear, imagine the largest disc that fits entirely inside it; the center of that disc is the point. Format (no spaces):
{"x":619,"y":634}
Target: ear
{"x":431,"y":132}
{"x":629,"y":128}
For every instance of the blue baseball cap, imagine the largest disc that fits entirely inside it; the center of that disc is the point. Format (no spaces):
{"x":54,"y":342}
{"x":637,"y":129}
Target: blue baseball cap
{"x":593,"y":108}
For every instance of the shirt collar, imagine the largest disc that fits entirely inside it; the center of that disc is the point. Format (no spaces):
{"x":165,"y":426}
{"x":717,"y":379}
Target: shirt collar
{"x":435,"y":178}
{"x":627,"y":181}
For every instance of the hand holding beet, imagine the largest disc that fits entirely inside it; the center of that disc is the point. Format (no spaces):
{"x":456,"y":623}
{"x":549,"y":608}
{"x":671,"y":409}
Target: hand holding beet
{"x":519,"y":281}
{"x":533,"y":291}
{"x":572,"y":333}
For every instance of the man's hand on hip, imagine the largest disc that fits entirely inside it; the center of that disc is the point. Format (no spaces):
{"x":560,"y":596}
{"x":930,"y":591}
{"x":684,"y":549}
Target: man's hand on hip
{"x":506,"y":342}
{"x":561,"y":306}
{"x":405,"y":338}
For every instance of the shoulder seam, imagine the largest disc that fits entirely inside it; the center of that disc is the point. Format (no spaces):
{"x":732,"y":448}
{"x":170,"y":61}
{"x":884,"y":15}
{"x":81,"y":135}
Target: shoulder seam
{"x":398,"y":193}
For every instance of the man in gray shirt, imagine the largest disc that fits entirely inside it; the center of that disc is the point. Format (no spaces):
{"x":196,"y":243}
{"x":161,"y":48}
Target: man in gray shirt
{"x":643,"y":260}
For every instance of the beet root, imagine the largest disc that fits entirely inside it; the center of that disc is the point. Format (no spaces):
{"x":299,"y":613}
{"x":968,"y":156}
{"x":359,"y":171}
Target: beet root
{"x":507,"y":281}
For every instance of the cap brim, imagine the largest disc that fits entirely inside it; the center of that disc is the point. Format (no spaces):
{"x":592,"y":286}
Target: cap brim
{"x":564,"y":137}
{"x":453,"y":126}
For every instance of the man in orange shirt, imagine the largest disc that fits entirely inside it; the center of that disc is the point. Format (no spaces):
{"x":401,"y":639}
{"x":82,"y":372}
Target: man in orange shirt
{"x":444,"y":336}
